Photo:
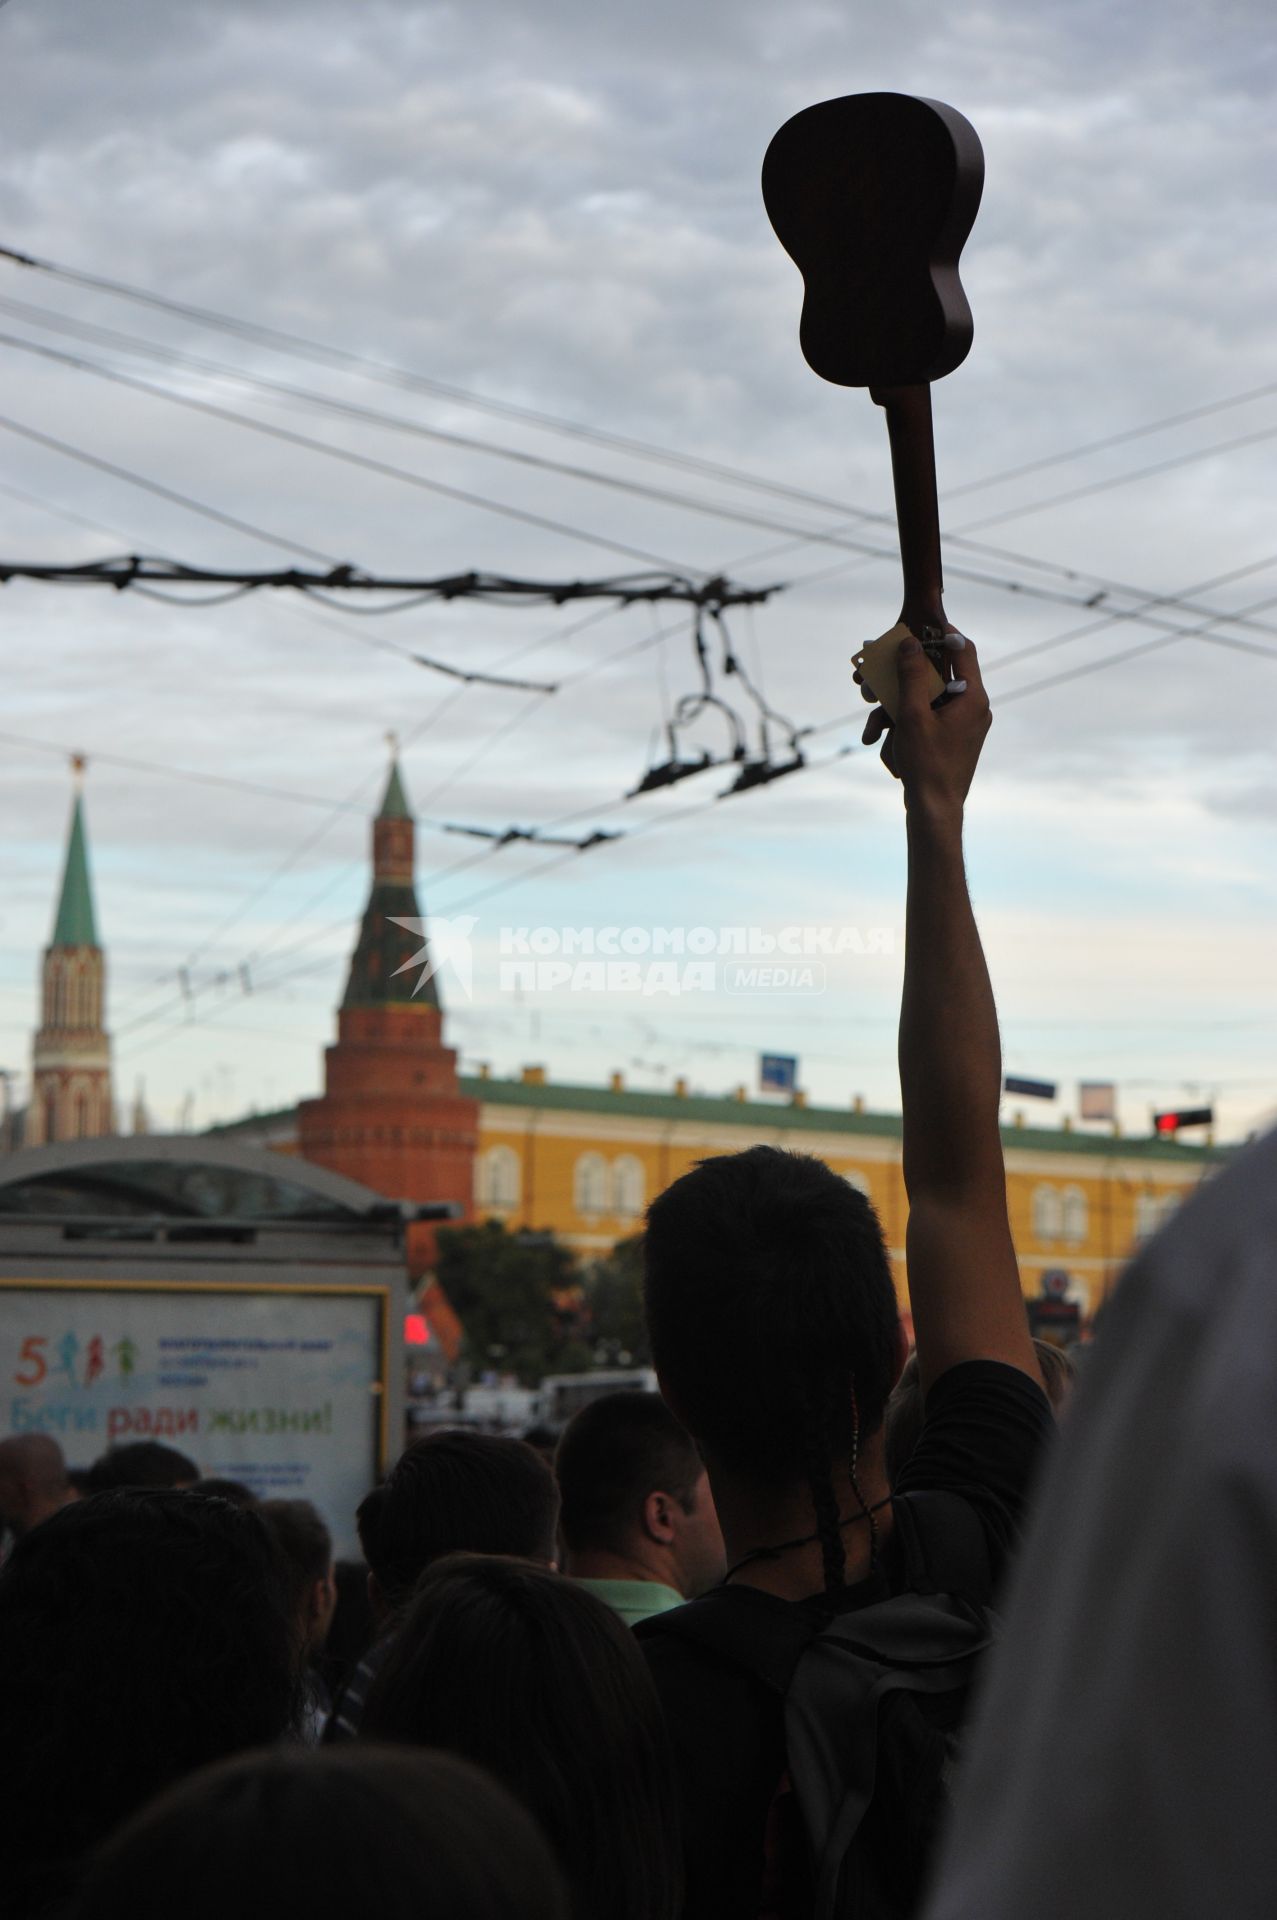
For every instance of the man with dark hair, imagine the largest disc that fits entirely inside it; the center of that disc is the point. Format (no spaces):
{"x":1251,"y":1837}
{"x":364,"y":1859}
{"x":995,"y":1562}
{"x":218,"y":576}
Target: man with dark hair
{"x":306,"y":1558}
{"x":143,"y":1463}
{"x":638,"y":1518}
{"x":776,"y":1338}
{"x":450,"y":1492}
{"x":33,"y":1482}
{"x":142,"y":1635}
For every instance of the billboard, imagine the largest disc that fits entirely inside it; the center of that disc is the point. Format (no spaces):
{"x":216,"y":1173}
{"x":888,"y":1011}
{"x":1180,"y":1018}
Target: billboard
{"x":284,"y":1388}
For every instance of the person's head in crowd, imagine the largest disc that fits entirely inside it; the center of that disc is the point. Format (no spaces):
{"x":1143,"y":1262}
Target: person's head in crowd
{"x":142,"y":1635}
{"x":636,"y":1498}
{"x":544,"y":1438}
{"x":233,"y":1490}
{"x":33,"y":1481}
{"x":306,"y":1549}
{"x":524,"y":1673}
{"x":1059,"y":1373}
{"x":906,"y":1409}
{"x":776,"y":1338}
{"x":353,"y":1627}
{"x":455,"y":1491}
{"x":359,"y":1830}
{"x":142,"y":1463}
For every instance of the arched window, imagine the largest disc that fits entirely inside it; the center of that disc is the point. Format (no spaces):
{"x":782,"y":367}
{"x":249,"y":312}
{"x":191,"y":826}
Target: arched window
{"x":855,"y":1178}
{"x":1074,"y":1211}
{"x":1048,"y":1214}
{"x":589,"y":1184}
{"x":82,"y":1130}
{"x":497,"y":1183}
{"x":51,"y":1115}
{"x":628,"y":1187}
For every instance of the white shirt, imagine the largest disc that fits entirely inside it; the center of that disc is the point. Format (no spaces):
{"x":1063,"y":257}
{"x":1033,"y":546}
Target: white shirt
{"x":1124,"y":1761}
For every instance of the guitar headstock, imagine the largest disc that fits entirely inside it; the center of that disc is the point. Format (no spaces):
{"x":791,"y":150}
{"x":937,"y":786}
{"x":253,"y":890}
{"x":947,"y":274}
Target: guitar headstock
{"x":873,"y":196}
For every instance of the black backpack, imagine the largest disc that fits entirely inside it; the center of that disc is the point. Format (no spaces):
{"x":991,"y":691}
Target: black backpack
{"x":873,"y":1705}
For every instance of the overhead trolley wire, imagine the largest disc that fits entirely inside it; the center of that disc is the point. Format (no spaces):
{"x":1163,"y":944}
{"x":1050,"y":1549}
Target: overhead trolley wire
{"x":802,"y":537}
{"x":281,"y":340}
{"x":350,"y":456}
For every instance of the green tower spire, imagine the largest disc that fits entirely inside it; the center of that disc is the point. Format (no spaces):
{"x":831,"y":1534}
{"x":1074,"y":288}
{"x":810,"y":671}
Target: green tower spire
{"x":394,"y":802}
{"x":74,"y":925}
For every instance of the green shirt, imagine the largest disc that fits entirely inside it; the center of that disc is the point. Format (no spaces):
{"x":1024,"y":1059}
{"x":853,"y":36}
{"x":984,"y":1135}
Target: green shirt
{"x":634,"y":1600}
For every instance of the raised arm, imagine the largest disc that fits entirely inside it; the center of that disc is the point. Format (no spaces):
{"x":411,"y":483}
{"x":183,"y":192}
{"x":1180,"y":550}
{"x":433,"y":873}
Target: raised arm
{"x":964,"y":1284}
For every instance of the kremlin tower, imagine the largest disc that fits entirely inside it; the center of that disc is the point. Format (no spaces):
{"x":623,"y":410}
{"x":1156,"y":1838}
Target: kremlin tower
{"x":71,"y":1057}
{"x":392,"y":1114}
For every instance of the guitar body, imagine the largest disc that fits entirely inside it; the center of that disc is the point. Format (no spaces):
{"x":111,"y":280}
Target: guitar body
{"x":873,"y":196}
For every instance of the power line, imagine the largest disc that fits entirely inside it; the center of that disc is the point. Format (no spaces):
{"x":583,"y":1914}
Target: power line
{"x":403,"y":378}
{"x":165,"y":493}
{"x":123,"y":571}
{"x":388,"y":470}
{"x":1083,"y":451}
{"x":1094,"y":487}
{"x":383,"y":468}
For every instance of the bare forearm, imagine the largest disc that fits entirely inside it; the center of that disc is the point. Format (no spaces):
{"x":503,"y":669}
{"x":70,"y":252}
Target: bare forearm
{"x":950,"y":1054}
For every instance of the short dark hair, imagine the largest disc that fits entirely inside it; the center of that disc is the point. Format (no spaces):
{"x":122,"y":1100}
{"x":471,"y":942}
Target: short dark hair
{"x":769,"y":1296}
{"x":304,"y":1542}
{"x":143,"y":1463}
{"x":454,"y":1490}
{"x":233,"y":1490}
{"x":142,"y":1634}
{"x":525,"y":1673}
{"x":773,"y":1319}
{"x":343,"y":1831}
{"x":613,"y":1454}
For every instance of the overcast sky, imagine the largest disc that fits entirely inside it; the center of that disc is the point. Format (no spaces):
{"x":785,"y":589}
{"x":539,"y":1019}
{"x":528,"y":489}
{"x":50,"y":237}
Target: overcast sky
{"x":557,"y":207}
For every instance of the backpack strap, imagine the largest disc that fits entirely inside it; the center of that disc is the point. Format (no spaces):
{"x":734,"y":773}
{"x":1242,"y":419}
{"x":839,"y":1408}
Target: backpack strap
{"x":942,"y":1540}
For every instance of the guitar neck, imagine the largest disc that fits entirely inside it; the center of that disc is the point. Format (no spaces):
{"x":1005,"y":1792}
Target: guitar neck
{"x":913,"y":469}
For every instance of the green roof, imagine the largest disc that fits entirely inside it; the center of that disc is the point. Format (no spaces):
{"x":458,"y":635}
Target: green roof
{"x":394,"y":802}
{"x":756,"y":1116}
{"x":74,"y":925}
{"x":760,"y":1116}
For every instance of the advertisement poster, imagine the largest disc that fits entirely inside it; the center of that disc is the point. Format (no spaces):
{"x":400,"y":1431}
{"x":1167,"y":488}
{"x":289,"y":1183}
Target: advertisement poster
{"x":283,"y":1389}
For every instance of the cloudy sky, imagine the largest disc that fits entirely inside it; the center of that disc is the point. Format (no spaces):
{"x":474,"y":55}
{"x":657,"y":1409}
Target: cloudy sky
{"x":553,"y":211}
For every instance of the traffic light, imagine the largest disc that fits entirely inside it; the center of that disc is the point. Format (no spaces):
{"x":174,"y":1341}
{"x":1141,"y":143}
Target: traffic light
{"x":1183,"y":1117}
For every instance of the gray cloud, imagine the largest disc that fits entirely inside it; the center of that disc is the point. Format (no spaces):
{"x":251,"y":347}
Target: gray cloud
{"x":560,"y":206}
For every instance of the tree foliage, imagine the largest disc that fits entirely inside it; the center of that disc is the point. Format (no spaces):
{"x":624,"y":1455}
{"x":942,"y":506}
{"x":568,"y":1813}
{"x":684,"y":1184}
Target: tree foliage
{"x":517,"y":1295}
{"x":615,"y":1326}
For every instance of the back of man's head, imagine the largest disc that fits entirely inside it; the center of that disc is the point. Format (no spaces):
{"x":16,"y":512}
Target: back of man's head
{"x":142,"y":1634}
{"x":613,"y":1454}
{"x":772,"y":1312}
{"x":456,"y":1491}
{"x":143,"y":1463}
{"x":306,"y":1563}
{"x":33,"y":1480}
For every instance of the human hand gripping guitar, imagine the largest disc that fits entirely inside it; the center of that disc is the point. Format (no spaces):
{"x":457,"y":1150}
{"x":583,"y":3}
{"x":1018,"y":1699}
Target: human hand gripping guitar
{"x":964,"y":1281}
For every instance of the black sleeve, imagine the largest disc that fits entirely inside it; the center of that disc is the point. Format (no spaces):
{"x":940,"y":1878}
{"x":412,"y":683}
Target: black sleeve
{"x":986,"y":1428}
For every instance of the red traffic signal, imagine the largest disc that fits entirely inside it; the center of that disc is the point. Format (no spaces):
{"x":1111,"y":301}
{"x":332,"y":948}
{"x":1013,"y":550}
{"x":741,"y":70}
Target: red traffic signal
{"x":1184,"y":1117}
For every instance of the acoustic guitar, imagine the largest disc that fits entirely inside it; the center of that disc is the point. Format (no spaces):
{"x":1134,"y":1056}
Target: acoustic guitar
{"x":873,"y":197}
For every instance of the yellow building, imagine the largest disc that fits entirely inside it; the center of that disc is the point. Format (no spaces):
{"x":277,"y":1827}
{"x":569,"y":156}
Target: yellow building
{"x":583,"y":1163}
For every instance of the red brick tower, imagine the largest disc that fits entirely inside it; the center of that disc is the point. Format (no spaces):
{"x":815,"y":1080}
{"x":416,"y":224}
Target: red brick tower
{"x":71,"y":1058}
{"x":391,"y":1113}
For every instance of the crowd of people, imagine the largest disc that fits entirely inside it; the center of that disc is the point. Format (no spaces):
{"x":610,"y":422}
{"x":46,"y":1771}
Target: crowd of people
{"x":719,"y":1655}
